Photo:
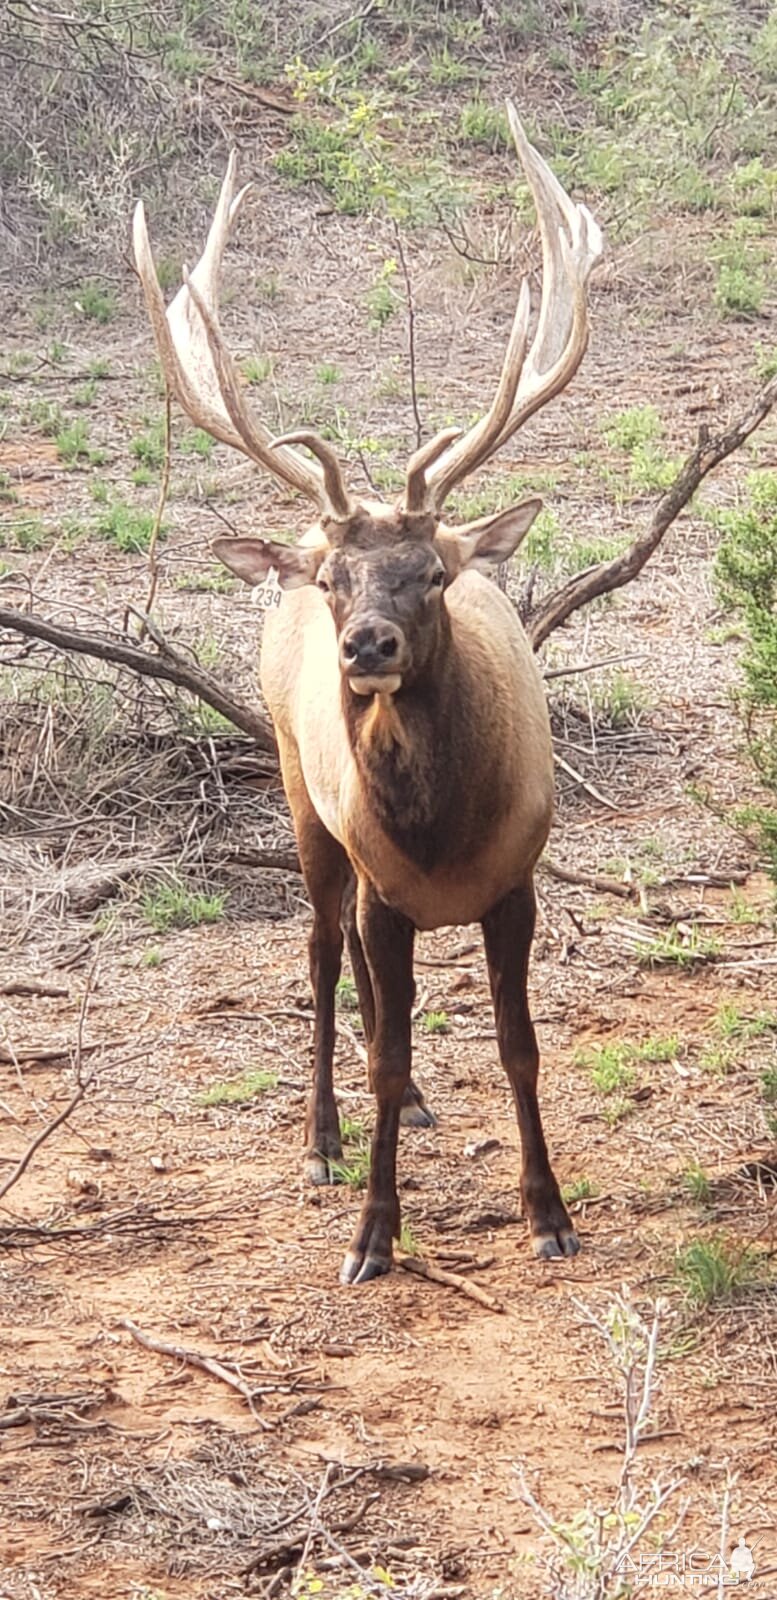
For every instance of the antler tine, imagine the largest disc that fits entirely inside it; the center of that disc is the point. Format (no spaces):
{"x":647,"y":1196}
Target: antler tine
{"x":337,"y":494}
{"x":196,"y":362}
{"x":415,"y":489}
{"x":571,"y":246}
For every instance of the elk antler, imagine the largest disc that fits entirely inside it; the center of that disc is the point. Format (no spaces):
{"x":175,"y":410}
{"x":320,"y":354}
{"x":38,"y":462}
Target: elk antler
{"x":571,"y":246}
{"x":201,"y":372}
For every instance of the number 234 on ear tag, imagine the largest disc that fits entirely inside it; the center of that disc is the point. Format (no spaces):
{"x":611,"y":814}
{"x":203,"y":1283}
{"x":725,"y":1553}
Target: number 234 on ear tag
{"x":268,"y":594}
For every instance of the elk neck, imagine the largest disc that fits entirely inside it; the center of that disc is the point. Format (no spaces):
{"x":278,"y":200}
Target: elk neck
{"x":417,"y":752}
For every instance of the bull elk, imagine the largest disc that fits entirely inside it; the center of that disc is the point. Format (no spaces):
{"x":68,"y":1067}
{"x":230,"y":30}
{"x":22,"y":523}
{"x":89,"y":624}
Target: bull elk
{"x":411,"y":719}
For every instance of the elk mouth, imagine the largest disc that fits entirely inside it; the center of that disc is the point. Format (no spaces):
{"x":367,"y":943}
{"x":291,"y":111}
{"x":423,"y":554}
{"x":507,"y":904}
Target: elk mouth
{"x":374,"y":682}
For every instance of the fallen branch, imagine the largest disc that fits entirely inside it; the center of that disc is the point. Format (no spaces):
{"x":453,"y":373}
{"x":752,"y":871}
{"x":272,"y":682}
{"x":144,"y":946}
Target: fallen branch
{"x":586,"y":880}
{"x":451,"y":1280}
{"x":169,"y":664}
{"x":583,"y":587}
{"x":192,"y":1358}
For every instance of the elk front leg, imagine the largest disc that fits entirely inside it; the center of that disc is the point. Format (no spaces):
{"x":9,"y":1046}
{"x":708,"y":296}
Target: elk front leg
{"x":387,"y":942}
{"x":415,"y":1112}
{"x":508,"y":931}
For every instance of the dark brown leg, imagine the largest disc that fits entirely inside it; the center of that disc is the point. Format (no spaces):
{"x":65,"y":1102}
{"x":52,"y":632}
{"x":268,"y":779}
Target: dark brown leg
{"x":508,"y":931}
{"x":387,"y":943}
{"x":325,"y":868}
{"x":415,"y":1112}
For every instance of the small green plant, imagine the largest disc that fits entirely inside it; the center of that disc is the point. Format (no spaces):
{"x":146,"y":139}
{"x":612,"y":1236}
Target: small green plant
{"x":98,"y":304}
{"x":127,"y":528}
{"x":29,"y":534}
{"x":577,"y":1190}
{"x":716,"y":1269}
{"x":149,"y":447}
{"x":696,"y":1183}
{"x":72,"y":441}
{"x":238,"y":1091}
{"x":346,"y":997}
{"x":627,"y":430}
{"x":85,"y":394}
{"x":611,"y":1068}
{"x":99,"y":367}
{"x":46,"y":416}
{"x":769,"y":1085}
{"x":170,"y":904}
{"x":407,"y":1240}
{"x":746,"y":576}
{"x":257,"y":369}
{"x":327,"y":373}
{"x":354,"y":1169}
{"x":739,"y":290}
{"x":679,"y":948}
{"x":151,"y":956}
{"x":142,"y":477}
{"x":57,"y":352}
{"x":484,"y":125}
{"x":436,"y":1022}
{"x":382,"y":300}
{"x":621,"y":700}
{"x":197,"y":443}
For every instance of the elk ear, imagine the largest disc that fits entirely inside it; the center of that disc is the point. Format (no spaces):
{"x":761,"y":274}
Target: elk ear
{"x":253,"y":559}
{"x":492,"y":540}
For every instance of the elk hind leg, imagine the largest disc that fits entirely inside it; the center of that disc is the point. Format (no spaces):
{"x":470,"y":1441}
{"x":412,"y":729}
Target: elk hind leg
{"x":415,"y":1113}
{"x":325,"y":868}
{"x":508,"y":930}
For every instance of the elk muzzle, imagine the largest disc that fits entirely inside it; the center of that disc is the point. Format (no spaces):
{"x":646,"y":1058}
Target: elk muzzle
{"x":373,"y":655}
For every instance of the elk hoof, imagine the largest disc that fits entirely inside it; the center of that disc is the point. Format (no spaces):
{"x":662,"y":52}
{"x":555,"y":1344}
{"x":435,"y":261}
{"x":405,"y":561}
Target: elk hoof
{"x":415,"y":1113}
{"x":370,"y":1255}
{"x":361,"y":1269}
{"x":552,"y":1246}
{"x":323,"y":1162}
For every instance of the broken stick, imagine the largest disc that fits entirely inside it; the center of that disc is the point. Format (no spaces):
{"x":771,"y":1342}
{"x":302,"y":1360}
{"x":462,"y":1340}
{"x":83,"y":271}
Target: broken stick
{"x":451,"y":1280}
{"x":192,"y":1358}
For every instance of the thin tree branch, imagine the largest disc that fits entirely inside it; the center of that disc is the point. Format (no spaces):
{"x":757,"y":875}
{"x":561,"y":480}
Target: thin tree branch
{"x":586,"y":586}
{"x":169,"y":665}
{"x":164,"y":487}
{"x":419,"y":429}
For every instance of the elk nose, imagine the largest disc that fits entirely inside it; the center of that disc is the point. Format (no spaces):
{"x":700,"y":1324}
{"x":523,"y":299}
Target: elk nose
{"x":370,"y":647}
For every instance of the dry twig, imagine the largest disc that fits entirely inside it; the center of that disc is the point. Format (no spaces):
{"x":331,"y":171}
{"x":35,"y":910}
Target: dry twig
{"x":451,"y":1280}
{"x":82,"y":1084}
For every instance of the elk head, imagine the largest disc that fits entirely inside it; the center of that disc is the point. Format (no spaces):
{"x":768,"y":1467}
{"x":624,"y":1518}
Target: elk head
{"x":383,"y":569}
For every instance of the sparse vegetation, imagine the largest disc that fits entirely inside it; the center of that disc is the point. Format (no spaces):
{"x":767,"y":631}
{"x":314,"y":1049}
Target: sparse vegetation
{"x":716,"y":1269}
{"x":238,"y":1091}
{"x":436,"y":1022}
{"x":171,"y":904}
{"x":96,"y":303}
{"x":127,"y":528}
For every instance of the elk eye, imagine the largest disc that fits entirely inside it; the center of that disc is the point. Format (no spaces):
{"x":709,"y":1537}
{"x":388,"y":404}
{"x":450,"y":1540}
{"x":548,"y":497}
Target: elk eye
{"x":438,"y":578}
{"x":321,"y":583}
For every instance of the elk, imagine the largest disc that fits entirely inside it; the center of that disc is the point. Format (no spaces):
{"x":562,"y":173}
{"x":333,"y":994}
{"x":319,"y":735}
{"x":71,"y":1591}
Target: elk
{"x":410,"y":716}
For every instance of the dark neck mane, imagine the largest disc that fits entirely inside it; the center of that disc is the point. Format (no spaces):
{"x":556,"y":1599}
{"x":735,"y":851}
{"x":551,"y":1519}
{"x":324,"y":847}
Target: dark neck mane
{"x":414,"y":754}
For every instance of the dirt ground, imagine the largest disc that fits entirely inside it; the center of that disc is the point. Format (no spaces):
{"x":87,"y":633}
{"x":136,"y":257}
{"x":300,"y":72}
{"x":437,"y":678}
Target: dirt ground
{"x":400,"y":1414}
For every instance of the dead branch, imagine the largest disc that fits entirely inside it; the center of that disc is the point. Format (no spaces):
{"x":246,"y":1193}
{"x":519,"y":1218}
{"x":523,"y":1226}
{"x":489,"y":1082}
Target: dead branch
{"x":192,"y":1358}
{"x":451,"y":1280}
{"x":169,"y":664}
{"x":586,"y":586}
{"x":82,"y":1084}
{"x":587,"y":880}
{"x":410,"y":302}
{"x":164,"y":488}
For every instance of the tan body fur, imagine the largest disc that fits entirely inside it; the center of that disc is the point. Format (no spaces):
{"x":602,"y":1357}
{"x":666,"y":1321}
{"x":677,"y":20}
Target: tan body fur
{"x":502,"y":710}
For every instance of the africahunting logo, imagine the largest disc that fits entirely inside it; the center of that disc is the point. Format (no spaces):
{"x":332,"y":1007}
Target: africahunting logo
{"x":691,"y":1570}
